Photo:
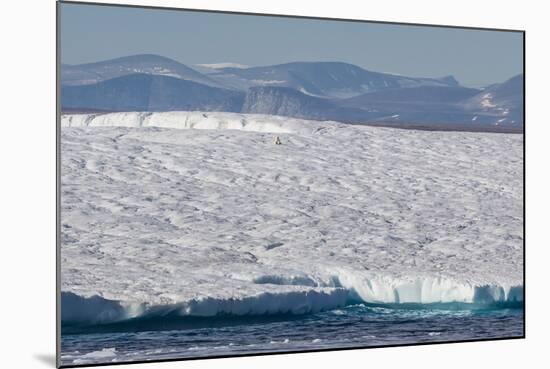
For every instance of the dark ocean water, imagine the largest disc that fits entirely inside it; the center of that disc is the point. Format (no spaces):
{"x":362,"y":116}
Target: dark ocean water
{"x":352,"y":326}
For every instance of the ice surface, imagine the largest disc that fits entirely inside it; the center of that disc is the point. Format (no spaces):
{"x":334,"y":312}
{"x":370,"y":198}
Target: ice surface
{"x":224,"y":65}
{"x":194,"y":120}
{"x":218,"y":219}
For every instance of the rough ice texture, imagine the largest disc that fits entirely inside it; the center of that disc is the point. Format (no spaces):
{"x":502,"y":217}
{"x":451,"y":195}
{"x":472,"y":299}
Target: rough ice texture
{"x":218,"y":219}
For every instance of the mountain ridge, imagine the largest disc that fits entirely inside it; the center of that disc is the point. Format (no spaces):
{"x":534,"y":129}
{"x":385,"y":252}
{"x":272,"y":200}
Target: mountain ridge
{"x":310,"y":90}
{"x":145,"y":92}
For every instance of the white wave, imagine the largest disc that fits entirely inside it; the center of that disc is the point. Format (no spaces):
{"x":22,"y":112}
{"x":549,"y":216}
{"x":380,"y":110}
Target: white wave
{"x":102,"y":354}
{"x":92,"y":357}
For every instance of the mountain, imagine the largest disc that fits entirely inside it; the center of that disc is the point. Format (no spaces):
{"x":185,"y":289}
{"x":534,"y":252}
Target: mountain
{"x":424,"y":97}
{"x":503,"y":101}
{"x":289,"y":102}
{"x":83,"y":74}
{"x":285,"y":101}
{"x":428,"y":107}
{"x":497,"y":108}
{"x":146,"y":92}
{"x":416,"y":105}
{"x":309,"y":90}
{"x":325,"y":79}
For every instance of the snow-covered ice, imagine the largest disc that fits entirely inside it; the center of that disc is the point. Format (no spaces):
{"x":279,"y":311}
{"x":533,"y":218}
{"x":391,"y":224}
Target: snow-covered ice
{"x":224,"y":65}
{"x":194,"y":213}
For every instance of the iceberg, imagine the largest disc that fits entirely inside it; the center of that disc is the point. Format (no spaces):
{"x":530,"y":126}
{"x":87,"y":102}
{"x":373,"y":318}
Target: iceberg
{"x":200,"y":214}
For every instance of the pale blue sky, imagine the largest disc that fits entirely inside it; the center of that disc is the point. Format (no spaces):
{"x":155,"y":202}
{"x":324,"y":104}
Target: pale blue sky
{"x":476,"y":58}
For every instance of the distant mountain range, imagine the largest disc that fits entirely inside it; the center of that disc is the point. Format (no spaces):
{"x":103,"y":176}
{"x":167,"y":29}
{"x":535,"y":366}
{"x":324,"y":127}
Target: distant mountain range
{"x":139,"y":92}
{"x":311,"y":90}
{"x":85,"y":74}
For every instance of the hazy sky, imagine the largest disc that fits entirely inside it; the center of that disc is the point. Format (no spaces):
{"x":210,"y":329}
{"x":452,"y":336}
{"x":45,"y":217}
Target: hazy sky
{"x":476,"y":58}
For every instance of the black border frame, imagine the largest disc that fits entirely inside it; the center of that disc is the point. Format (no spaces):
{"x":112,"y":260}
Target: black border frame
{"x":237,"y":355}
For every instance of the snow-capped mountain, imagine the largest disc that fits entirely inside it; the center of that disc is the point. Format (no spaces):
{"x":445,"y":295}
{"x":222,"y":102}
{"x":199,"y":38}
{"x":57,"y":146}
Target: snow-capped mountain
{"x":84,"y":74}
{"x":309,"y":90}
{"x":504,"y":101}
{"x":328,"y":79}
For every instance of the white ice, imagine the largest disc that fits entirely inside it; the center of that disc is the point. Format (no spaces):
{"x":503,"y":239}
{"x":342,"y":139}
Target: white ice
{"x":199,"y":213}
{"x":224,"y":65}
